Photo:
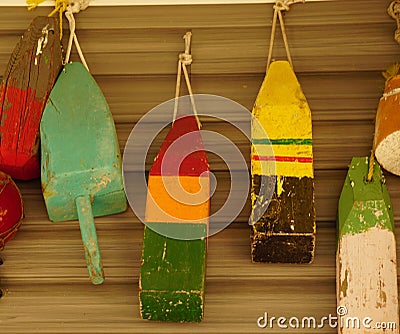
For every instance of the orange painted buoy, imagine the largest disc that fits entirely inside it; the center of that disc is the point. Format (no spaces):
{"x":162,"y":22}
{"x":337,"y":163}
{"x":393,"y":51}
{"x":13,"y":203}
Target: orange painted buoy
{"x":387,"y":127}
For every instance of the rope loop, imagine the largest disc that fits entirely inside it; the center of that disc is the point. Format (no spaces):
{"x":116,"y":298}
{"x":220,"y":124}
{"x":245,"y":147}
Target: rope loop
{"x":282,"y":6}
{"x":279,"y":7}
{"x":77,"y":5}
{"x":185,"y":59}
{"x":73,"y":39}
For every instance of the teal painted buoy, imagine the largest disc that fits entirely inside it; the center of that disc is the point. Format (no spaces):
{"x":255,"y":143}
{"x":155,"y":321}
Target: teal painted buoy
{"x":81,"y":160}
{"x":366,"y":253}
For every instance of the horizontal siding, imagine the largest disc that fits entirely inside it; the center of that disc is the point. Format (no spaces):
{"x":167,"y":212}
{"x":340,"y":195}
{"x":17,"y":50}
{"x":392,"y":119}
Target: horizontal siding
{"x":339,"y":51}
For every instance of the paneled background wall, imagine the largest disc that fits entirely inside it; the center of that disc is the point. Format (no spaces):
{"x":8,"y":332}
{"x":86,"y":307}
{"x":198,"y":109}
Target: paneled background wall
{"x":339,"y":49}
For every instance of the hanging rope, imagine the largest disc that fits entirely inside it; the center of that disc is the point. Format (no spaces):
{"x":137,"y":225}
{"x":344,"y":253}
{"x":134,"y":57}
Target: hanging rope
{"x":371,"y":164}
{"x":69,"y":7}
{"x":279,"y":7}
{"x":73,"y":38}
{"x":394,"y":11}
{"x":185,"y":59}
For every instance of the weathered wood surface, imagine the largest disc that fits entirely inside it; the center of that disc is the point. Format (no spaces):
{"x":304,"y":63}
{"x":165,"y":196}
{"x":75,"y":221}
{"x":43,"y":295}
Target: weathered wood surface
{"x":342,"y":81}
{"x":173,"y":267}
{"x":282,"y":195}
{"x":81,"y":160}
{"x":387,"y":127}
{"x":366,"y":255}
{"x":11,"y":209}
{"x":29,"y":76}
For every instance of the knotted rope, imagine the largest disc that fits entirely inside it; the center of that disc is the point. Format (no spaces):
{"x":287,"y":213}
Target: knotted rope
{"x":69,"y":13}
{"x":394,"y":11}
{"x":371,"y":164}
{"x":279,"y":7}
{"x":185,"y":59}
{"x":69,"y":7}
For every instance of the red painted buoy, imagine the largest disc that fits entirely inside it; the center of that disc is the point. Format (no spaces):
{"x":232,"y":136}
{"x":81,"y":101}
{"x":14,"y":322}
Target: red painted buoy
{"x":11,"y":209}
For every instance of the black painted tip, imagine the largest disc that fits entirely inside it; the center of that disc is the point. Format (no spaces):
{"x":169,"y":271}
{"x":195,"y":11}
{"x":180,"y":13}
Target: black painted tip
{"x":282,"y":248}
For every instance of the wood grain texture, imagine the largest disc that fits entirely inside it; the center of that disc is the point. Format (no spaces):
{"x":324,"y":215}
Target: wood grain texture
{"x":81,"y":166}
{"x":28,"y":79}
{"x":282,"y":171}
{"x":338,"y":51}
{"x":366,"y":263}
{"x":174,"y":256}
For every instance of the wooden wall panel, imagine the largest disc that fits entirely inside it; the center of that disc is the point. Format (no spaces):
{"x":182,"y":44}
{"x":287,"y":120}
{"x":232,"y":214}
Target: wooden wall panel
{"x":339,"y":50}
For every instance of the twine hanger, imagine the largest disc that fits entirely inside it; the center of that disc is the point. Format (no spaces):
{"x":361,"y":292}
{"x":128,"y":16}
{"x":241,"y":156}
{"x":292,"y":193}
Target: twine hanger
{"x":279,"y":7}
{"x":394,"y":11}
{"x":371,"y":164}
{"x":185,"y":59}
{"x":69,"y":7}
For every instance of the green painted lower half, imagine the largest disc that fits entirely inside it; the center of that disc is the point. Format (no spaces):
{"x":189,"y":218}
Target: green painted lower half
{"x":172,"y":276}
{"x":172,"y":306}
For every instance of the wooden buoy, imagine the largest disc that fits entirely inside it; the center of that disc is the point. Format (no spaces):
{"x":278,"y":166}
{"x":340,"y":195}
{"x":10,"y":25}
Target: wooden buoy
{"x":11,"y":209}
{"x":387,"y":126}
{"x":172,"y":276}
{"x":81,"y":160}
{"x":286,"y":231}
{"x":366,"y":253}
{"x":29,"y":77}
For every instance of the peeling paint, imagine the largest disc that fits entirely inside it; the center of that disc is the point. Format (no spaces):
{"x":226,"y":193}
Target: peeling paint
{"x":367,"y":277}
{"x":42,"y":42}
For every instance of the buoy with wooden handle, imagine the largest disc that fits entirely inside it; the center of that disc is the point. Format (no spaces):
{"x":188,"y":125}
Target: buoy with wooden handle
{"x":29,"y":77}
{"x":81,"y":160}
{"x":366,"y":252}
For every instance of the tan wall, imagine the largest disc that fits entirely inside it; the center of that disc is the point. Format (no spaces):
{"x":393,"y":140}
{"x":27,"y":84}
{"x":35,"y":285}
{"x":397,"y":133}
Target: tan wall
{"x":339,"y":49}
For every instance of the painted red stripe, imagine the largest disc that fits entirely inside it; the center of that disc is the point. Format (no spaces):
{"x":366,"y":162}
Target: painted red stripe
{"x":282,"y":158}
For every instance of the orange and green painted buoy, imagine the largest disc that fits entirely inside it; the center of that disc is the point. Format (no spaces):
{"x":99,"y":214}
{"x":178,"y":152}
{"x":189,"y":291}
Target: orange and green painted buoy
{"x":172,"y":275}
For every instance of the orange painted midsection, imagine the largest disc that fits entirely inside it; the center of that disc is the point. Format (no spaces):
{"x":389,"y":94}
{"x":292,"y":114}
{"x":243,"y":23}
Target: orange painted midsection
{"x":180,"y":199}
